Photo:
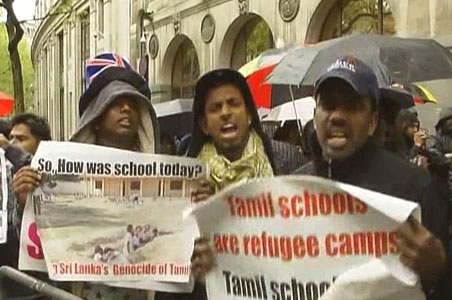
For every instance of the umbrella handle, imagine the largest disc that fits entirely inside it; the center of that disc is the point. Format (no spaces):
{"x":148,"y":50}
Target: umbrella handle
{"x":295,"y":109}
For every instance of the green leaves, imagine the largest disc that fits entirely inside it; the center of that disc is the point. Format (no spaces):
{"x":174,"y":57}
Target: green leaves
{"x":63,"y":6}
{"x":6,"y":81}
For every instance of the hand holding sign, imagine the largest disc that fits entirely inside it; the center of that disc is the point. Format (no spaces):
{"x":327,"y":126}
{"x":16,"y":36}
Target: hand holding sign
{"x":294,"y":237}
{"x":203,"y":259}
{"x":421,"y":251}
{"x":24,"y":182}
{"x":205,"y":189}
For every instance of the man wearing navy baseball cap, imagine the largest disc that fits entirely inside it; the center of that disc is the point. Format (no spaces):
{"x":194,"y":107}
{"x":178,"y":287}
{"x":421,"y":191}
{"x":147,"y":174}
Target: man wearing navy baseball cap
{"x":346,"y":118}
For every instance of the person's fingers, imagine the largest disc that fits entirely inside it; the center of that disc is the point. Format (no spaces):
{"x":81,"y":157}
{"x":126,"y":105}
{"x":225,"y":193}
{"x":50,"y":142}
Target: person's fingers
{"x":201,"y":197}
{"x":203,"y":258}
{"x":206,"y":184}
{"x":200,"y":240}
{"x":202,"y":264}
{"x":405,"y":231}
{"x":27,"y":172}
{"x":26,"y":168}
{"x":407,"y":248}
{"x":24,"y":188}
{"x":25,"y":181}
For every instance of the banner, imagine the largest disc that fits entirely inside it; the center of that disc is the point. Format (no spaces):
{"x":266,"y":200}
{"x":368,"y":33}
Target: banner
{"x":104,"y":214}
{"x":3,"y":198}
{"x":305,"y":238}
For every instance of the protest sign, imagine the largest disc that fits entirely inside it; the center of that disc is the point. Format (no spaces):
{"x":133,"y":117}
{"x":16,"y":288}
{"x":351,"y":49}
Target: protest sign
{"x":3,"y":198}
{"x":110,"y":215}
{"x":31,"y":254}
{"x":293,"y":237}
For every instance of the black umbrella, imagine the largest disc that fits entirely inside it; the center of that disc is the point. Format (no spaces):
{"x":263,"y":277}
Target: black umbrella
{"x":392,"y":59}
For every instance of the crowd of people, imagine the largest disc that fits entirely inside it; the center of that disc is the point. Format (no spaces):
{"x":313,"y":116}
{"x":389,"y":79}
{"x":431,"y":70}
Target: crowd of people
{"x":360,"y":135}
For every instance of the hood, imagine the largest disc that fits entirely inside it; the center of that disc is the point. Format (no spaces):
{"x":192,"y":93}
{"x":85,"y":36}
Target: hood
{"x":148,"y":132}
{"x":203,"y":86}
{"x":108,"y":75}
{"x":446,"y":113}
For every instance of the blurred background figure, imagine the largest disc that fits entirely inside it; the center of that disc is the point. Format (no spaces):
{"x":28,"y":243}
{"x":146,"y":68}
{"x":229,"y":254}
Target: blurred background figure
{"x":289,"y":133}
{"x":5,"y":127}
{"x":168,"y":145}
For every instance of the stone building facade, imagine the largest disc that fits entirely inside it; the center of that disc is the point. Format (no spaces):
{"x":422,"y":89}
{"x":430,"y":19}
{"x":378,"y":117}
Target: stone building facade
{"x":173,"y":42}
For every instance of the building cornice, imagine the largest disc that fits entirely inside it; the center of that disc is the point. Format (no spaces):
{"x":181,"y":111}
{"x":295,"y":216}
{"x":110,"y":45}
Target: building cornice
{"x":166,"y":16}
{"x":50,"y":23}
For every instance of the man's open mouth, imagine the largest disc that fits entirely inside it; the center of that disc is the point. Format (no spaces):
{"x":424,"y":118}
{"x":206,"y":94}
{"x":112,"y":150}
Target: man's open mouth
{"x":337,"y":139}
{"x":124,"y":122}
{"x":229,"y":130}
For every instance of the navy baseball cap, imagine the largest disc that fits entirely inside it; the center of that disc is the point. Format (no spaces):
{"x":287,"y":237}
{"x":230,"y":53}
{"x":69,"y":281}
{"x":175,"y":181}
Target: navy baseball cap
{"x":356,"y":73}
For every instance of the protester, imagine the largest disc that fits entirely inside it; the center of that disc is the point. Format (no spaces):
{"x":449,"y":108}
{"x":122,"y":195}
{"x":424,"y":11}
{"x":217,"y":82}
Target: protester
{"x":310,"y":144}
{"x":116,"y":111}
{"x":402,"y":139}
{"x":228,"y":137}
{"x":442,"y":141}
{"x":5,"y":127}
{"x":227,"y":134}
{"x":345,"y":119}
{"x":27,"y":131}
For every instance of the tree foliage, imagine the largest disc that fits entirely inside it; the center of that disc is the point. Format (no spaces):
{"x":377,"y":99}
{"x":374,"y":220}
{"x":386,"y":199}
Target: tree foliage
{"x":15,"y":33}
{"x":260,"y":39}
{"x":6,"y":80}
{"x":362,"y":16}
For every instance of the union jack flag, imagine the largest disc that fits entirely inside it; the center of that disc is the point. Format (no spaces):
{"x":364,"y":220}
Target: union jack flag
{"x":101,"y":62}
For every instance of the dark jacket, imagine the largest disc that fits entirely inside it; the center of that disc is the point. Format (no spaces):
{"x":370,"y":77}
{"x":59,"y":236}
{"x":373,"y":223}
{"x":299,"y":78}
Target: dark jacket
{"x":441,"y":142}
{"x":287,"y":158}
{"x":377,"y":169}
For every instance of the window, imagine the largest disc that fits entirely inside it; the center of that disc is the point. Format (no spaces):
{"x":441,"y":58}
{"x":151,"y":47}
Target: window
{"x":254,"y":38}
{"x":100,"y":16}
{"x":61,"y":83}
{"x":45,"y":83}
{"x":98,"y":184}
{"x":85,"y":48}
{"x":359,"y":16}
{"x":185,"y":71}
{"x":176,"y":185}
{"x":135,"y":185}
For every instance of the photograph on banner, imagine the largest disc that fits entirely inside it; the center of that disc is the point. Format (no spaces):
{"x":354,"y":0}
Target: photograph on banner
{"x":3,"y":198}
{"x":109,"y":215}
{"x":303,"y":237}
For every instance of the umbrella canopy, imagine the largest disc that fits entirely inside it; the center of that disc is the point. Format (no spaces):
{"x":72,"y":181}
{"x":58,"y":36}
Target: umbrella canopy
{"x":301,"y":109}
{"x":271,"y":95}
{"x":392,"y":59}
{"x":263,"y":112}
{"x":173,"y":107}
{"x":175,"y":117}
{"x":6,"y":104}
{"x":265,"y":94}
{"x":266,"y":58}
